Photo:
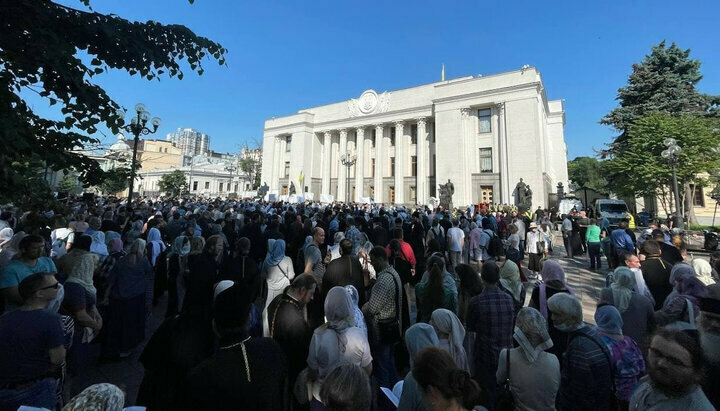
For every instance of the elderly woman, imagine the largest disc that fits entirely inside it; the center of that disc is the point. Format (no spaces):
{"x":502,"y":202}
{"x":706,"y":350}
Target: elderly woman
{"x":417,"y":337}
{"x":636,"y":310}
{"x":553,"y":283}
{"x":177,"y":271}
{"x":135,"y":232}
{"x":625,"y":355}
{"x":451,"y":334}
{"x":703,"y":271}
{"x":126,"y":317}
{"x":534,"y":374}
{"x":683,"y":305}
{"x":336,"y":342}
{"x":511,"y":283}
{"x":278,"y":271}
{"x":116,"y":251}
{"x":334,"y":249}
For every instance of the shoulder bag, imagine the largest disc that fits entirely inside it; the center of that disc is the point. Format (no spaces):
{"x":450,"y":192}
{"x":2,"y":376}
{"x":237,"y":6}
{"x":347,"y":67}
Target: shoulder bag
{"x":505,"y":400}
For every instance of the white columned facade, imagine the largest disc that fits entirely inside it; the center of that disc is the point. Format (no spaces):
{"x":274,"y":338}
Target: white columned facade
{"x":399,"y":162}
{"x":378,"y":163}
{"x":466,"y":179}
{"x":505,"y":190}
{"x":421,"y":173}
{"x":360,"y":164}
{"x":326,"y":167}
{"x":342,"y":171}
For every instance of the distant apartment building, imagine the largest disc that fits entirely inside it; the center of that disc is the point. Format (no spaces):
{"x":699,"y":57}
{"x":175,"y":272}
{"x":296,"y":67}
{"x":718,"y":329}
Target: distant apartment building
{"x":190,"y":142}
{"x":158,"y":154}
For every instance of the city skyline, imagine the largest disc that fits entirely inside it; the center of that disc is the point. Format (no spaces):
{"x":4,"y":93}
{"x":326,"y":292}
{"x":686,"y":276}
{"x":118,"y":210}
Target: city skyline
{"x":284,"y":56}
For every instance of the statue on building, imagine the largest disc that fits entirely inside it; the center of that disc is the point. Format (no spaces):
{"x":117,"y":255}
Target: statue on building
{"x":520,"y":193}
{"x":263,"y":190}
{"x":528,"y":197}
{"x":446,"y":192}
{"x":292,"y":188}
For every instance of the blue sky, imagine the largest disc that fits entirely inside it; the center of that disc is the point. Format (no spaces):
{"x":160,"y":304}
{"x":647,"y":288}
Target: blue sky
{"x":285,"y":56}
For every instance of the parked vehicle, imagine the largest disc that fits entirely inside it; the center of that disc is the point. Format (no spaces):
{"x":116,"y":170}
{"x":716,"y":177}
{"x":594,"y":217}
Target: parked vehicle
{"x":614,"y":210}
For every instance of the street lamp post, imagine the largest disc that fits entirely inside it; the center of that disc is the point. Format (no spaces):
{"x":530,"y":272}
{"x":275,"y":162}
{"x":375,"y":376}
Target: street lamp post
{"x":348,"y":160}
{"x":671,"y":154}
{"x":138,"y":126}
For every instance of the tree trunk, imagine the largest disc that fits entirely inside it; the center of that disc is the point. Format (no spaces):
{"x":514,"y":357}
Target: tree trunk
{"x":689,"y":206}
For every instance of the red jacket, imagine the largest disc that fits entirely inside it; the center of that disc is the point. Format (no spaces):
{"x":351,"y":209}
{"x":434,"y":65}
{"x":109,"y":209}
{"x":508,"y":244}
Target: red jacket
{"x":406,"y":253}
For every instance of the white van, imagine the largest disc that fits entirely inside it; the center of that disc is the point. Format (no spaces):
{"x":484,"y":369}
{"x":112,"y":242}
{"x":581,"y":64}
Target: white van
{"x":614,"y":210}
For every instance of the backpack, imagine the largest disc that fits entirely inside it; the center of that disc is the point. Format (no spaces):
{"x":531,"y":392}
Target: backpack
{"x":437,"y":234}
{"x":495,"y":246}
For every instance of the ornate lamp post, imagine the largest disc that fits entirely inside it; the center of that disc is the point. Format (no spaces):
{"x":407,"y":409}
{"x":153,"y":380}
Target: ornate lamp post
{"x":671,"y":154}
{"x":138,"y":126}
{"x":348,"y":160}
{"x":231,"y":168}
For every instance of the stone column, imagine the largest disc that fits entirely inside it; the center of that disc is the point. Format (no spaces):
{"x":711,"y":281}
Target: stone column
{"x":503,"y":161}
{"x":463,"y":193}
{"x":379,"y":158}
{"x":421,"y":185}
{"x":325,"y":169}
{"x":275,"y":176}
{"x":399,"y":162}
{"x":342,"y":171}
{"x":360,"y":164}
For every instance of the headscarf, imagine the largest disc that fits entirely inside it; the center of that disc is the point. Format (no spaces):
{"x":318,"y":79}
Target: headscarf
{"x":551,"y":271}
{"x":180,"y":246}
{"x":98,"y":397}
{"x":115,"y":246}
{"x":419,"y":336}
{"x":98,"y":245}
{"x":276,"y":254}
{"x":608,"y":320}
{"x":136,"y":252}
{"x":531,"y":333}
{"x":111,"y":235}
{"x":703,"y":270}
{"x":355,"y":297}
{"x":308,"y":241}
{"x":6,"y":234}
{"x":157,"y":244}
{"x":622,"y":288}
{"x":197,"y":244}
{"x":691,"y":287}
{"x":80,"y":267}
{"x":339,"y":310}
{"x":510,"y":279}
{"x":446,"y":322}
{"x":680,"y":270}
{"x":222,"y":286}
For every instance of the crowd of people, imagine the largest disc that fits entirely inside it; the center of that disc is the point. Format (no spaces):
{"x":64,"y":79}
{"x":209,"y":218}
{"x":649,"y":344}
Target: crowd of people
{"x":276,"y":306}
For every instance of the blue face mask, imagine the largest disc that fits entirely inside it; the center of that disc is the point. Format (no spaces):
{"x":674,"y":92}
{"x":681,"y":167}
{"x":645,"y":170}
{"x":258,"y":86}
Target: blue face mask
{"x":563,"y":327}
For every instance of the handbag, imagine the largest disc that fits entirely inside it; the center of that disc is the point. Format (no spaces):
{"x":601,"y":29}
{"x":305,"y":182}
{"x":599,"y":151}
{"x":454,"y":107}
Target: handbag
{"x":389,"y":328}
{"x":505,"y":400}
{"x":540,"y":246}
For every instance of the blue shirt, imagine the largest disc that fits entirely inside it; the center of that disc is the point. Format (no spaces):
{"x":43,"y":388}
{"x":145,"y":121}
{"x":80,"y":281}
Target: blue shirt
{"x":622,"y":241}
{"x":17,"y":271}
{"x":26,"y":338}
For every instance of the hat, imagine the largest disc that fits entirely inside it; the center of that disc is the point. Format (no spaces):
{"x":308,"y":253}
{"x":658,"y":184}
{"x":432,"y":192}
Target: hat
{"x":533,"y":225}
{"x":5,"y":235}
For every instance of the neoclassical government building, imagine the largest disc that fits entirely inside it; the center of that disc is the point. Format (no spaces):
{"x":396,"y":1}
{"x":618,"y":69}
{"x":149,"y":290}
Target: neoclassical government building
{"x":483,"y":133}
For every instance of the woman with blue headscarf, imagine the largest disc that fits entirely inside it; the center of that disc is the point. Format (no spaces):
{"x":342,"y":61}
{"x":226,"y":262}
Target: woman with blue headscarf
{"x":278,"y":271}
{"x":336,"y":342}
{"x":417,"y":337}
{"x":177,"y":269}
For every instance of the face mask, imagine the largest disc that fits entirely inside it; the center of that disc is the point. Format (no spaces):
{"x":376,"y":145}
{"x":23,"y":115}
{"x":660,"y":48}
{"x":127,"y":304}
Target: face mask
{"x":563,"y":327}
{"x":710,"y":343}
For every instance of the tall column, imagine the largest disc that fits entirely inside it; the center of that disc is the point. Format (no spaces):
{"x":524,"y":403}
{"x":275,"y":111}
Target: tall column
{"x":421,"y":185}
{"x":503,"y":161}
{"x":379,"y":158}
{"x":399,"y":162}
{"x":275,"y":176}
{"x":342,"y":171}
{"x":466,"y":179}
{"x":360,"y":164}
{"x":325,"y":169}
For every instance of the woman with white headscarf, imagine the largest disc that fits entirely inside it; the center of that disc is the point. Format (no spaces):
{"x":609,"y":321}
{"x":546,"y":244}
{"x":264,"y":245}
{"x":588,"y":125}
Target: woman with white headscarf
{"x":511,"y":283}
{"x":98,"y":246}
{"x":703,"y":271}
{"x":637,"y":310}
{"x":451,"y":334}
{"x":155,"y":246}
{"x":534,"y":374}
{"x":278,"y":271}
{"x":336,"y":342}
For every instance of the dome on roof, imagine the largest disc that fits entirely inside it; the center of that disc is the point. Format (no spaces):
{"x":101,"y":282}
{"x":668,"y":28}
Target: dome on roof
{"x":120,"y":144}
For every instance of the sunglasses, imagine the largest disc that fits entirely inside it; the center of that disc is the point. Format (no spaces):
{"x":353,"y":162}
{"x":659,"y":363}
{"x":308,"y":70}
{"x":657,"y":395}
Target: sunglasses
{"x":55,"y":286}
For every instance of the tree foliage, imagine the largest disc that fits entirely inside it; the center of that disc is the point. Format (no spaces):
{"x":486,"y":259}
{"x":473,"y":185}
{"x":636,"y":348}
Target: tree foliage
{"x":173,"y":183}
{"x":639,"y":168}
{"x":56,"y":51}
{"x":588,"y":172}
{"x":115,"y":180}
{"x":663,"y":82}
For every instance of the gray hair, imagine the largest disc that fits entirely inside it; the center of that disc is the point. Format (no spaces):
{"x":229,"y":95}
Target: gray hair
{"x":566,"y":304}
{"x":533,"y":325}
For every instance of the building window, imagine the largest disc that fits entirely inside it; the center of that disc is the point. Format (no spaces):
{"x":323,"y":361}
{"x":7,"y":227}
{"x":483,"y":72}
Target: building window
{"x":372,"y":168}
{"x":392,"y":136}
{"x":484,"y":116}
{"x":413,"y":166}
{"x":413,"y":134}
{"x":413,"y":194}
{"x":236,"y":187}
{"x":287,"y":143}
{"x":207,"y":185}
{"x":372,"y":140}
{"x":287,"y":169}
{"x":284,"y":190}
{"x":221,"y":187}
{"x":392,"y":166}
{"x":698,"y":196}
{"x":195,"y":184}
{"x":486,"y":160}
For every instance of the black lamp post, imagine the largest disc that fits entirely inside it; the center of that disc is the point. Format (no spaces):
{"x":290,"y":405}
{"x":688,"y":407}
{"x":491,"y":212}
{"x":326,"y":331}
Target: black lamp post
{"x":348,"y":160}
{"x":671,"y":155}
{"x":138,"y":126}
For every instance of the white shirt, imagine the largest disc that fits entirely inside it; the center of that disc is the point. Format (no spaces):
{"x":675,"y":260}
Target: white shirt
{"x":455,"y":236}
